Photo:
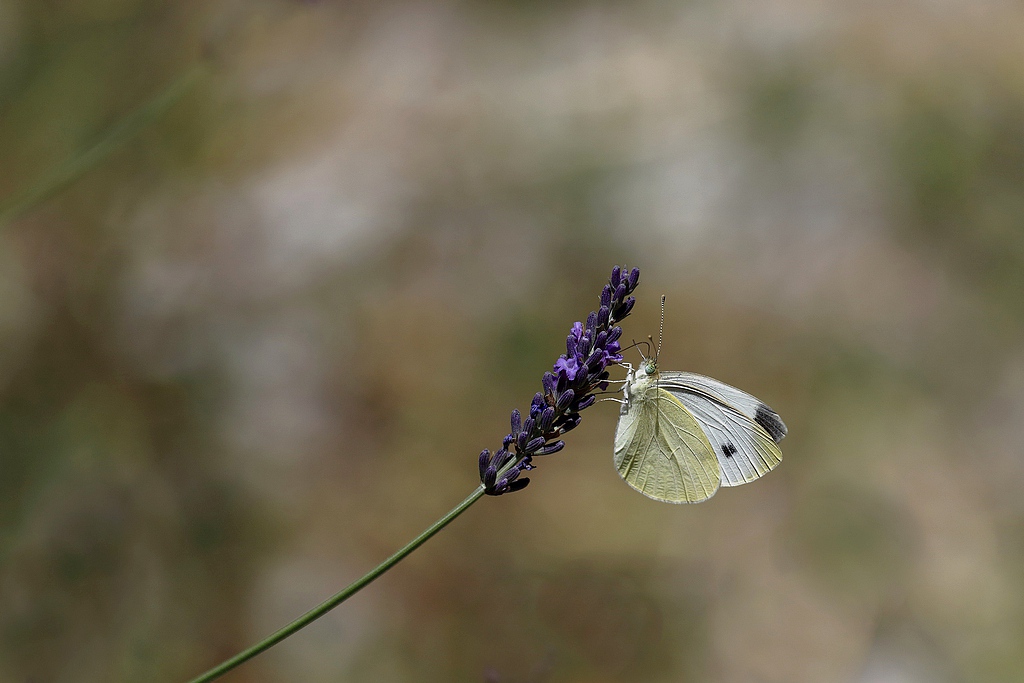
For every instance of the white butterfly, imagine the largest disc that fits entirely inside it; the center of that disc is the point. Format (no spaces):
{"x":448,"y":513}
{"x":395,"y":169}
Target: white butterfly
{"x":680,"y":436}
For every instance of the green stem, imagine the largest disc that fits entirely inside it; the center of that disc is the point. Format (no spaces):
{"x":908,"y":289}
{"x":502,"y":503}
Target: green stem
{"x":332,"y":602}
{"x":127,"y":128}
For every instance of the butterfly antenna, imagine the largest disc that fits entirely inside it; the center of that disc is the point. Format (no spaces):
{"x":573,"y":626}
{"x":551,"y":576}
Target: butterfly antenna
{"x":636,"y":344}
{"x":661,"y":329}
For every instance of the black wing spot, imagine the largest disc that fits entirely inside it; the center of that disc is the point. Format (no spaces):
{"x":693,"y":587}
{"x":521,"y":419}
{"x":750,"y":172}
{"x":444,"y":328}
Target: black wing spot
{"x":728,"y":449}
{"x":772,"y":423}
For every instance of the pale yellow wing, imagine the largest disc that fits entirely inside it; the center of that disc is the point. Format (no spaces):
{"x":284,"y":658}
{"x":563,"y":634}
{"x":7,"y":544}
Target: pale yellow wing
{"x":661,"y":451}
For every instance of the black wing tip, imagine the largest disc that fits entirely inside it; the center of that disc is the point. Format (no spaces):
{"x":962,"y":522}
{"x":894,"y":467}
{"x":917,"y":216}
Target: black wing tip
{"x":772,"y":423}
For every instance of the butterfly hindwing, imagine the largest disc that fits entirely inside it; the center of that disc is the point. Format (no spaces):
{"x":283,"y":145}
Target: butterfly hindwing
{"x":661,"y":450}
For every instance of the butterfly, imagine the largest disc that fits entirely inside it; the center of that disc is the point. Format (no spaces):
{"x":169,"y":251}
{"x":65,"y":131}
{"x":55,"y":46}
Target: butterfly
{"x":681,"y":435}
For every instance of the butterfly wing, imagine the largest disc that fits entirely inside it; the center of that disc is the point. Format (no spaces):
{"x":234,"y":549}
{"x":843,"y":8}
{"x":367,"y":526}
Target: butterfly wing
{"x":743,"y":431}
{"x":661,"y":450}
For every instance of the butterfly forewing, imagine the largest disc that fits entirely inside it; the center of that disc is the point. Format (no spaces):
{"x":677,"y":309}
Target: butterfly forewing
{"x":725,"y":394}
{"x":743,"y":431}
{"x":661,"y":450}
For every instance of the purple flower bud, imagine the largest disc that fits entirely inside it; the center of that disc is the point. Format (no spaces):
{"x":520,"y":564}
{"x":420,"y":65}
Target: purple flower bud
{"x":534,"y":445}
{"x":626,"y":308}
{"x":565,"y":400}
{"x":551,"y":448}
{"x":602,"y":316}
{"x":595,"y":359}
{"x":501,"y":458}
{"x":614,"y":334}
{"x":537,"y":404}
{"x":634,"y":278}
{"x":529,"y":425}
{"x":587,"y":402}
{"x":507,"y":441}
{"x":490,"y":474}
{"x":612,"y":347}
{"x":620,"y":293}
{"x":549,"y":381}
{"x":583,"y":349}
{"x":606,"y":296}
{"x":485,"y":460}
{"x":547,"y":418}
{"x":591,"y":324}
{"x":570,"y":346}
{"x":521,"y":440}
{"x":509,"y":476}
{"x":517,"y":421}
{"x":563,"y":383}
{"x":616,"y":276}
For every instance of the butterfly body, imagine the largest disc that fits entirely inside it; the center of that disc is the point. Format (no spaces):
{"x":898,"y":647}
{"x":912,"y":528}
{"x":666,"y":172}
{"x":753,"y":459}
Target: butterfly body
{"x":681,"y":436}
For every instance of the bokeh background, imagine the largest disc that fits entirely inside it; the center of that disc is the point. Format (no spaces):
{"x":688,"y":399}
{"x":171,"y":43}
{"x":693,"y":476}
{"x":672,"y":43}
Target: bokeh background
{"x":259,"y":346}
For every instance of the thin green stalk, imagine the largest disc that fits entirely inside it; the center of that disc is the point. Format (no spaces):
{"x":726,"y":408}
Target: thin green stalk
{"x":127,"y":128}
{"x":332,"y":602}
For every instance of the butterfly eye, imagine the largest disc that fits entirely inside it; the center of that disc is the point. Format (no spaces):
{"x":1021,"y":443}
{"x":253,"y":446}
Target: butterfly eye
{"x":650,"y":368}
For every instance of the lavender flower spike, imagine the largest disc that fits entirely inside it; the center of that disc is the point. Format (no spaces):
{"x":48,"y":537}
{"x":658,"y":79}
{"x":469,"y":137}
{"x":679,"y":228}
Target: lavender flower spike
{"x":582,"y":370}
{"x":555,"y":410}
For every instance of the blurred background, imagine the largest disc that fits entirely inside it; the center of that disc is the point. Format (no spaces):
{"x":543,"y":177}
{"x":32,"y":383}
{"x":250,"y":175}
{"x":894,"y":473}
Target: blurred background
{"x":259,"y":347}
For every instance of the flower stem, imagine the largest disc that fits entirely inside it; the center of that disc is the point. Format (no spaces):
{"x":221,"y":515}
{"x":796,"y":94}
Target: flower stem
{"x":127,"y":128}
{"x":332,"y":602}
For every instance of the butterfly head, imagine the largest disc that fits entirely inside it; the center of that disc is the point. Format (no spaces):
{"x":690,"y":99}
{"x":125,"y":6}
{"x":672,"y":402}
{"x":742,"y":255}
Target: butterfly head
{"x":649,"y":367}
